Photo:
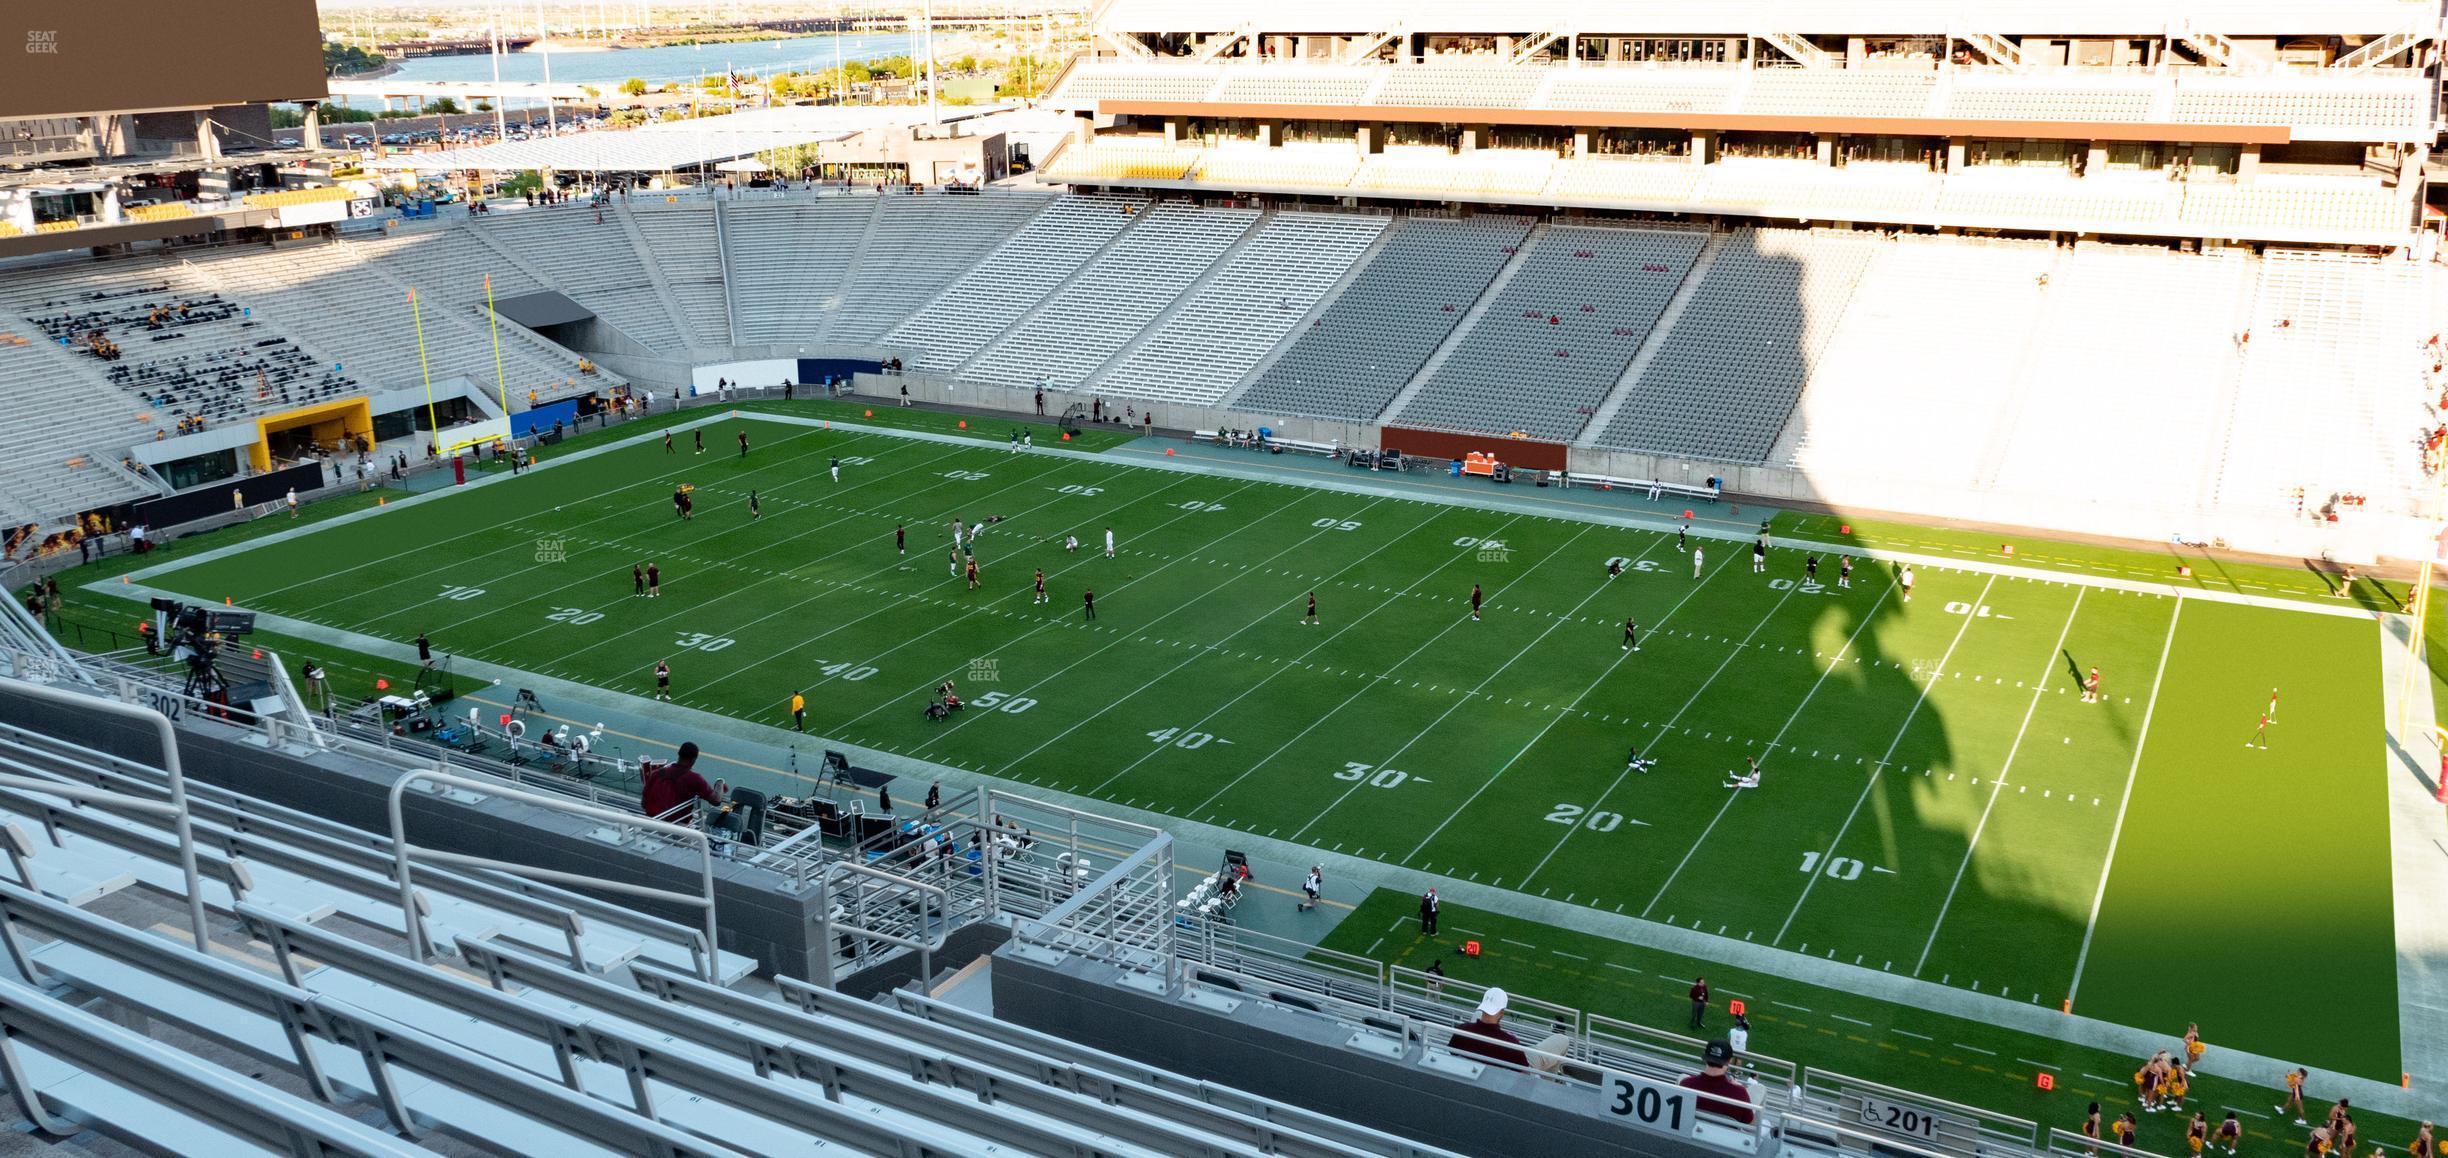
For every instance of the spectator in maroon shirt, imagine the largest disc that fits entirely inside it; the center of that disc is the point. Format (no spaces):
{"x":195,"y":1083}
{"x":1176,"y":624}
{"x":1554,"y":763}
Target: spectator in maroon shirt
{"x":1712,"y":1080}
{"x":667,"y":786}
{"x":1486,"y":1037}
{"x":1699,"y":996}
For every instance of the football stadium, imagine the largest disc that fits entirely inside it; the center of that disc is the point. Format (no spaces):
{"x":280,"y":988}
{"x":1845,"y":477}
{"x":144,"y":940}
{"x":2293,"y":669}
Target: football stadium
{"x":1622,"y":578}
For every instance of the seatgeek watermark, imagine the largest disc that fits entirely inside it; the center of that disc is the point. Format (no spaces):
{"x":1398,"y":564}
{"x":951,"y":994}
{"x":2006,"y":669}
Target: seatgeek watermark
{"x":42,"y":42}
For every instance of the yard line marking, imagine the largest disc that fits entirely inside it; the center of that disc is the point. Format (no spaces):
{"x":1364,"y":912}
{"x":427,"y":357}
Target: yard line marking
{"x":1511,"y":941}
{"x":1552,"y":721}
{"x":2114,"y":834}
{"x":1625,"y":968}
{"x":654,"y":523}
{"x":1976,"y":1049}
{"x":643,"y":438}
{"x":1049,"y":624}
{"x":2242,"y":1110}
{"x":1973,"y":845}
{"x":689,"y":607}
{"x":1798,"y":1008}
{"x":1909,"y":1033}
{"x":891,"y":601}
{"x":2038,"y":1064}
{"x":1280,"y":749}
{"x":1336,"y":634}
{"x":1773,"y":741}
{"x":1574,"y":956}
{"x":2110,"y":1081}
{"x":1264,"y":617}
{"x":1876,"y":769}
{"x":1854,"y":1020}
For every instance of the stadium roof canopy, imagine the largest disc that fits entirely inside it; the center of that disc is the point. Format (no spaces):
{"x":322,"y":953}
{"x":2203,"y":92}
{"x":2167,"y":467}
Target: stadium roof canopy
{"x":1682,"y":17}
{"x":666,"y":145}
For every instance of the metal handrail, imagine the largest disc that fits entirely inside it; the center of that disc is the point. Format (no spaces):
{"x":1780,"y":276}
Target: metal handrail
{"x":175,"y":807}
{"x":404,"y":855}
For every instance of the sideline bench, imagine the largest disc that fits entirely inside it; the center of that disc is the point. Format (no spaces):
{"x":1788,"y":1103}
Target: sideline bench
{"x":1679,"y":490}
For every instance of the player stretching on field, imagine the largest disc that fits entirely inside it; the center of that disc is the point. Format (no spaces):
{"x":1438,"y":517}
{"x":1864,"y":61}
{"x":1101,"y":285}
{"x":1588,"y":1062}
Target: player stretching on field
{"x":1475,"y":598}
{"x":1749,"y":779}
{"x":1634,"y":763}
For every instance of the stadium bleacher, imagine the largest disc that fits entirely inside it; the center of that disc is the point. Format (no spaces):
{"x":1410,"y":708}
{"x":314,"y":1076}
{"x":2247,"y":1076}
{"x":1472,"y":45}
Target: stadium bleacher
{"x":1725,"y":376}
{"x":1358,"y":353}
{"x":2119,"y":387}
{"x":1254,"y":299}
{"x":1555,"y":336}
{"x":682,"y":247}
{"x":787,"y":260}
{"x":610,"y":276}
{"x":917,"y":246}
{"x":1013,"y":279}
{"x":1090,"y":318}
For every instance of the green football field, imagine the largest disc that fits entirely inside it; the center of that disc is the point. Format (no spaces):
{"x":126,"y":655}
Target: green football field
{"x":1937,"y":799}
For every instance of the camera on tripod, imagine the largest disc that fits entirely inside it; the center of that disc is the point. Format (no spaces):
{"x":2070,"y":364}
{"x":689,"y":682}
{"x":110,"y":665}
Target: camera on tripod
{"x":192,"y":636}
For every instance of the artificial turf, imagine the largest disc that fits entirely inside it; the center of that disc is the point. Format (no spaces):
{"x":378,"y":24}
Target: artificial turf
{"x":1938,"y":800}
{"x":1971,"y":1062}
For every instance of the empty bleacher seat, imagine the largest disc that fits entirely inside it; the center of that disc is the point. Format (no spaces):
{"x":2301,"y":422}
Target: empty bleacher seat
{"x":788,"y":259}
{"x":595,"y":264}
{"x":1258,"y":296}
{"x":1090,"y":318}
{"x":1553,"y":341}
{"x":1010,"y":281}
{"x":1724,"y":379}
{"x":1359,"y":352}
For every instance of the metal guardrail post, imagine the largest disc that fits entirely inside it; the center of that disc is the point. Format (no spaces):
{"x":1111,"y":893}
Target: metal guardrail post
{"x":404,"y":855}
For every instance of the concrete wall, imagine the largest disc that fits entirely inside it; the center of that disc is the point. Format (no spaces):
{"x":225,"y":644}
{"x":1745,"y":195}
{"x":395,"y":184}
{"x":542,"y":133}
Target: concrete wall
{"x":757,"y":914}
{"x":1306,"y":1059}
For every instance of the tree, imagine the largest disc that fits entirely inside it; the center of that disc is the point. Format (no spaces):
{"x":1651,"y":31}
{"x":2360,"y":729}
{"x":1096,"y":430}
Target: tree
{"x":634,"y":86}
{"x":442,"y":107}
{"x":522,"y":183}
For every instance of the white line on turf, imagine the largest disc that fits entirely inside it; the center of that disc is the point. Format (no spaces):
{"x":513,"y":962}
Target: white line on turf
{"x":1267,"y":616}
{"x":1773,"y":741}
{"x":2038,"y":1064}
{"x":1876,"y":770}
{"x":1997,"y":785}
{"x":1336,"y":634}
{"x":1048,"y":625}
{"x":1363,"y":689}
{"x":681,"y":607}
{"x":1552,"y":720}
{"x":2090,"y":926}
{"x":1854,"y":1020}
{"x":516,"y":512}
{"x":1909,"y":1033}
{"x":1976,"y":1049}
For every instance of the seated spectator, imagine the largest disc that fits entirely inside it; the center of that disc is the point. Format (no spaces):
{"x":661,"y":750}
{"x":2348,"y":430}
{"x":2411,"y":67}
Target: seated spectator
{"x":1712,"y":1080}
{"x":1485,"y":1036}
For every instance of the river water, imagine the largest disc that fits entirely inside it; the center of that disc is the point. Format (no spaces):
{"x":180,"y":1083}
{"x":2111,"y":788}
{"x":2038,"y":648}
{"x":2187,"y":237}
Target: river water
{"x":683,"y":62}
